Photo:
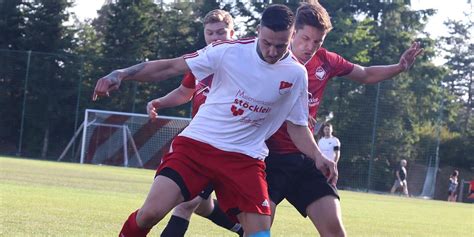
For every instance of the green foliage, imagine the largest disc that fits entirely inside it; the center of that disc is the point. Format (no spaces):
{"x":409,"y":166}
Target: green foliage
{"x":458,"y":49}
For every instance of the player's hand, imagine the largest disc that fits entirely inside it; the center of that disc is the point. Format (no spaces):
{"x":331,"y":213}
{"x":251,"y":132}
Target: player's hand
{"x":106,"y":84}
{"x":311,"y":123}
{"x":328,"y":168}
{"x":408,"y":57}
{"x":152,"y":108}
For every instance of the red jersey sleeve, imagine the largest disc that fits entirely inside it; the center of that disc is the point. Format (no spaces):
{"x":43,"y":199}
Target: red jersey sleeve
{"x":339,"y":65}
{"x":189,"y":81}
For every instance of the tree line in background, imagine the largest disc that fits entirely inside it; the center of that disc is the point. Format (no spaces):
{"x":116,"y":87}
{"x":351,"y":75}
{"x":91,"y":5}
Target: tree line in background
{"x":416,"y":110}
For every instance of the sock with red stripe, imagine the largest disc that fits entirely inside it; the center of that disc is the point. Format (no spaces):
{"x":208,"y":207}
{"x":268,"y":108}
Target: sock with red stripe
{"x":131,"y":229}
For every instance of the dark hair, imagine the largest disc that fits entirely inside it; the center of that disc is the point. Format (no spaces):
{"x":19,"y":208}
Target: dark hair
{"x":327,"y":124}
{"x":313,"y":15}
{"x":455,"y":173}
{"x":277,"y":17}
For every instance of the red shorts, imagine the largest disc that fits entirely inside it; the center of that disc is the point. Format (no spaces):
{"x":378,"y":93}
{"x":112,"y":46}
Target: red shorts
{"x":238,"y":180}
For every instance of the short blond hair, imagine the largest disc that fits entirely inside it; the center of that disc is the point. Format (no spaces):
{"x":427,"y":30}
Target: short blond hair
{"x":216,"y":16}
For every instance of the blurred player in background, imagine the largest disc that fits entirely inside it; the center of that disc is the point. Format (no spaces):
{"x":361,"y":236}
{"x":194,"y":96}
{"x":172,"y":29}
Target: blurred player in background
{"x":290,"y":174}
{"x":218,"y":25}
{"x":330,"y":145}
{"x":401,"y":178}
{"x":453,"y":186}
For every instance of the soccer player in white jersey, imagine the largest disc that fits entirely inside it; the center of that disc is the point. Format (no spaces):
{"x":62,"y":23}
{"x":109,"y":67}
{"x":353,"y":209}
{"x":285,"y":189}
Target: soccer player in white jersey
{"x":330,"y":145}
{"x":257,"y":86}
{"x":218,"y":25}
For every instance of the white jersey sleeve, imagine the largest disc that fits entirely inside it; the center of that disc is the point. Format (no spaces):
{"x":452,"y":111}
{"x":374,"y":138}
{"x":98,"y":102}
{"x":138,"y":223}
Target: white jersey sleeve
{"x":299,"y":112}
{"x":205,"y":61}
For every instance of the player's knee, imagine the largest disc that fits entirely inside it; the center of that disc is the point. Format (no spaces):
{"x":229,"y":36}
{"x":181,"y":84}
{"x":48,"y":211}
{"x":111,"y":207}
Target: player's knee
{"x":333,"y":228}
{"x":205,"y":208}
{"x":148,"y":218}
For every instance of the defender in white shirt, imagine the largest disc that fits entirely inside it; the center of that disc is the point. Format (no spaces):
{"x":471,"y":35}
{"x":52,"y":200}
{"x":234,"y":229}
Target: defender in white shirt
{"x":257,"y":86}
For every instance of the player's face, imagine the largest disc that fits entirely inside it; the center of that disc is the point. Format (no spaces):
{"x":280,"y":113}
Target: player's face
{"x":217,"y":31}
{"x":306,"y":42}
{"x":327,"y":131}
{"x":273,"y":45}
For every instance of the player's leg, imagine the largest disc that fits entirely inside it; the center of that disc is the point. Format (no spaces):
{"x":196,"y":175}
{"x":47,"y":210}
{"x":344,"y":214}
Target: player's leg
{"x":209,"y":208}
{"x":163,"y":196}
{"x":242,"y":190}
{"x":313,"y":196}
{"x":405,"y":187}
{"x":280,"y":172}
{"x":396,"y":184}
{"x":255,"y":224}
{"x":179,"y":178}
{"x":325,"y":213}
{"x":179,"y":221}
{"x":273,"y":206}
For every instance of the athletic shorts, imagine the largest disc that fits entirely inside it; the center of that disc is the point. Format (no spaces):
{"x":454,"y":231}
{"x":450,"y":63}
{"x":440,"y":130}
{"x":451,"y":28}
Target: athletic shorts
{"x":238,"y":180}
{"x":296,"y":178}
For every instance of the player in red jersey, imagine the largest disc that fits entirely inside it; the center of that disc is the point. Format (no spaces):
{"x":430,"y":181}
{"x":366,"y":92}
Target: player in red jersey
{"x":290,"y":174}
{"x":218,"y":25}
{"x":257,"y":86}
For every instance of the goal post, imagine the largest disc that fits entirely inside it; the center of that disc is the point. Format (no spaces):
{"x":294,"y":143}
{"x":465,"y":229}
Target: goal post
{"x":127,"y":139}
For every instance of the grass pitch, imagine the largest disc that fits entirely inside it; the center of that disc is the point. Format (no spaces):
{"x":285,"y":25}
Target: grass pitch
{"x":40,"y":198}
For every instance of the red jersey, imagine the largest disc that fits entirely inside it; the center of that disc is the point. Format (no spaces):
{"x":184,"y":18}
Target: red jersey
{"x":322,"y":67}
{"x":201,"y":90}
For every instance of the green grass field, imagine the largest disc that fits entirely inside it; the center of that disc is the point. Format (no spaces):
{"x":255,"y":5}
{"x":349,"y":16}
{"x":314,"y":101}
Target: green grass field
{"x":39,"y":198}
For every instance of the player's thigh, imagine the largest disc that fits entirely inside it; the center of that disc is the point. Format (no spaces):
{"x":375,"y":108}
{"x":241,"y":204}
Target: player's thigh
{"x":241,"y":186}
{"x":162,"y":197}
{"x":310,"y":186}
{"x":254,"y":222}
{"x":281,"y":171}
{"x":325,"y":213}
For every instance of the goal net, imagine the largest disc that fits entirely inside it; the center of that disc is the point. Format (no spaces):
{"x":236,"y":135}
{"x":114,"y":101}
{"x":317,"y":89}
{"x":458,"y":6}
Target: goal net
{"x":127,"y":139}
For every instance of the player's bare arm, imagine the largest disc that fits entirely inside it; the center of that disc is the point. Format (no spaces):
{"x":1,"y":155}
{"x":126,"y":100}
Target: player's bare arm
{"x":304,"y":141}
{"x":374,"y":74}
{"x":178,"y":96}
{"x":152,"y":71}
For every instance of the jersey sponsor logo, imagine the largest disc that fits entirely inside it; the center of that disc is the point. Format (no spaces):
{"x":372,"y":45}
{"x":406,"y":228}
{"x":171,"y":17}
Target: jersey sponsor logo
{"x":252,"y":107}
{"x":312,"y":101}
{"x":258,"y":109}
{"x":320,"y":73}
{"x":265,"y":203}
{"x":235,"y":111}
{"x":285,"y":87}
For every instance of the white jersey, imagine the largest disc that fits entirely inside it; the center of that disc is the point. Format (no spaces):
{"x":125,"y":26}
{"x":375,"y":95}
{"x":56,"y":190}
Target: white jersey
{"x":249,"y":100}
{"x":327,"y":145}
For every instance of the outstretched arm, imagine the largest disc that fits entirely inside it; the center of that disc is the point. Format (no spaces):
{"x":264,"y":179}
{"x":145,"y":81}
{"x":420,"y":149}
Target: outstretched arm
{"x":374,"y":74}
{"x":157,"y":70}
{"x":177,"y":97}
{"x":304,"y":141}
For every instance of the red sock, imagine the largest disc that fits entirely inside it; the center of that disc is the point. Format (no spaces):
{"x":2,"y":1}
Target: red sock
{"x":131,"y":229}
